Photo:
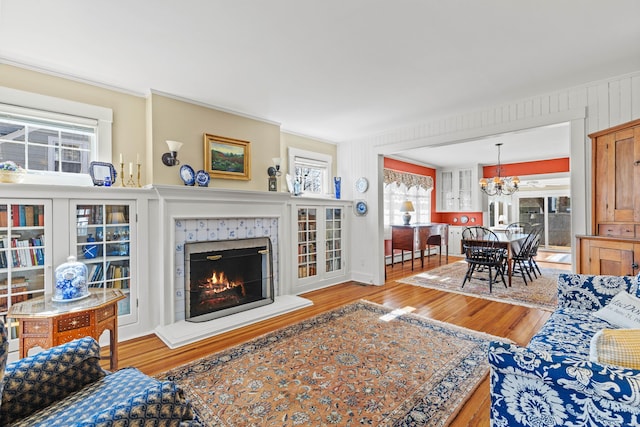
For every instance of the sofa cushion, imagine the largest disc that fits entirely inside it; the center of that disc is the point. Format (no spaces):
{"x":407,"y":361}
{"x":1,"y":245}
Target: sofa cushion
{"x":622,"y":311}
{"x":4,"y":352}
{"x":37,"y":381}
{"x":125,"y":394}
{"x":568,"y":332}
{"x":620,"y":347}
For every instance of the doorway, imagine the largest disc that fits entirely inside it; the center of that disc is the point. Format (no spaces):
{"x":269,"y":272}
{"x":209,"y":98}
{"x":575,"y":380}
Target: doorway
{"x":553,"y":213}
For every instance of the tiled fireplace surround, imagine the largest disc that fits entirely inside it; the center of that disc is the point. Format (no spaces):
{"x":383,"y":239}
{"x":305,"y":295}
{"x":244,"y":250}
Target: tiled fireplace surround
{"x":196,"y":215}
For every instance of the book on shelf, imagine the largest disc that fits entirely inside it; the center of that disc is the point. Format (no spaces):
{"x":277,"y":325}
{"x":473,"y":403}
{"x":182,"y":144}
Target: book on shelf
{"x":28,"y":216}
{"x":3,"y":216}
{"x":3,"y":254}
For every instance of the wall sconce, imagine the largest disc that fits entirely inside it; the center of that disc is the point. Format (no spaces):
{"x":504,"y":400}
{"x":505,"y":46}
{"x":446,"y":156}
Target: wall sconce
{"x":274,"y":172}
{"x":171,"y":158}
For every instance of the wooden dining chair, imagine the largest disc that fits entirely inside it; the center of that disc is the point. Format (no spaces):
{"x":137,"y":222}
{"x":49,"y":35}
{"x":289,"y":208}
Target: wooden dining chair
{"x":483,"y":254}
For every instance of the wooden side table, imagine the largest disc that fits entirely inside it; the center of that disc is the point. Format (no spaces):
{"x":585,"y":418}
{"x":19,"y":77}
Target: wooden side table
{"x":46,"y":323}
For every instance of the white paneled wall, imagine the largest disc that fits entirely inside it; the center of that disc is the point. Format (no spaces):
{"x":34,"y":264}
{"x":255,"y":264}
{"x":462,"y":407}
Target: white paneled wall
{"x":589,"y":108}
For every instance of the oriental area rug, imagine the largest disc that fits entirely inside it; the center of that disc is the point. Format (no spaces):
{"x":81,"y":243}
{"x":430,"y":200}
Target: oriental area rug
{"x":360,"y":364}
{"x":539,"y":293}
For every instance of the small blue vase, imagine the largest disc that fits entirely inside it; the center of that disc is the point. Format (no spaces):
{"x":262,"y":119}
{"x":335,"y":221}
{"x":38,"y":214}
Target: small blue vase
{"x":337,"y":182}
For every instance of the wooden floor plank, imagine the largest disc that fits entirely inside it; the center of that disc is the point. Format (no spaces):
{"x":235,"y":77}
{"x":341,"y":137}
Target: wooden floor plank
{"x":516,"y":323}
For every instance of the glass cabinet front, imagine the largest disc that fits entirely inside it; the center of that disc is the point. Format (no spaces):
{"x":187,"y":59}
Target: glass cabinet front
{"x":104,"y":243}
{"x":23,"y":254}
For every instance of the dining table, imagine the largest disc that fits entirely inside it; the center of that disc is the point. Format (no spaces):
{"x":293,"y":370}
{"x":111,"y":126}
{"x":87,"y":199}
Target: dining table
{"x":510,"y":241}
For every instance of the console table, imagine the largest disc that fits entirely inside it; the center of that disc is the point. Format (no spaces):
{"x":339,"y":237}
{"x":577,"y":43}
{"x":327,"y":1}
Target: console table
{"x":46,"y":323}
{"x":414,"y":237}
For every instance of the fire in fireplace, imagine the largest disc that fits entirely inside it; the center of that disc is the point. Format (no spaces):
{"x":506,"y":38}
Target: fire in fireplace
{"x":228,"y":276}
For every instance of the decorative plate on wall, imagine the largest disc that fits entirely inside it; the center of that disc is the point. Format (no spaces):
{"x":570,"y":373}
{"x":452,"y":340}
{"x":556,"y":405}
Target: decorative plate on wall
{"x":362,"y":184}
{"x":361,"y":208}
{"x":464,"y":219}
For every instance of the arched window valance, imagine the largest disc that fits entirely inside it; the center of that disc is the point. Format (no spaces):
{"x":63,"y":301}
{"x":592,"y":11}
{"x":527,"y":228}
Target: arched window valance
{"x":408,"y":179}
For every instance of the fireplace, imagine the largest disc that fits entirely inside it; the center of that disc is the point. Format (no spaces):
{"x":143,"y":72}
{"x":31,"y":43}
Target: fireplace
{"x":224,"y":277}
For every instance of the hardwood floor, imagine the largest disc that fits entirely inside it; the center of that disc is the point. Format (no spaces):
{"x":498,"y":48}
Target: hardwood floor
{"x":517,"y":323}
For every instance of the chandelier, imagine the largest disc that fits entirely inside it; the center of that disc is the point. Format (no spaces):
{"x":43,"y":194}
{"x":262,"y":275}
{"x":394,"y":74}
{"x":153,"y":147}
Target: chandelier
{"x":500,"y":185}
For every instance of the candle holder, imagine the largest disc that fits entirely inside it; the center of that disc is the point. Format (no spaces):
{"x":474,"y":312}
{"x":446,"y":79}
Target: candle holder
{"x":130,"y":182}
{"x":122,"y":173}
{"x":139,"y":175}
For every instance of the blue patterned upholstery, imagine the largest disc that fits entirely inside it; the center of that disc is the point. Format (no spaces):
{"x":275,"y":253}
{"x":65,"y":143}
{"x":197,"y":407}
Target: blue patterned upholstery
{"x":65,"y":386}
{"x":551,"y":382}
{"x":4,"y":352}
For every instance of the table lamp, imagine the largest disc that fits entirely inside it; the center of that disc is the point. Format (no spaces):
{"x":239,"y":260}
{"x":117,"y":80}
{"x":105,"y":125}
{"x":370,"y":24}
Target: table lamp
{"x":406,"y":207}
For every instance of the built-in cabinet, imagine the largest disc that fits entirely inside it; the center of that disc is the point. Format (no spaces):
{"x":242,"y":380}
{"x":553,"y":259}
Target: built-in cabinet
{"x":613,"y":246}
{"x":320,"y":244}
{"x":455,"y":240}
{"x":104,"y":240}
{"x":25,"y":261}
{"x":458,"y":190}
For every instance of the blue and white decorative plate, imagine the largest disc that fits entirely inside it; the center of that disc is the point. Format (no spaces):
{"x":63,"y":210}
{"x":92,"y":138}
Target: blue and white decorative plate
{"x":187,"y":174}
{"x":202,"y":178}
{"x":361,"y":208}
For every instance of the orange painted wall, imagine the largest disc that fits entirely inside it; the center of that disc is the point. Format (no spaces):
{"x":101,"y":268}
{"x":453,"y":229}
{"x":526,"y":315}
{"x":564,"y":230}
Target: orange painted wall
{"x":528,"y":168}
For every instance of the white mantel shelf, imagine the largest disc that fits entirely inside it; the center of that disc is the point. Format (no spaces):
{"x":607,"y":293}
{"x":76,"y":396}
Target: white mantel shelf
{"x":181,"y":333}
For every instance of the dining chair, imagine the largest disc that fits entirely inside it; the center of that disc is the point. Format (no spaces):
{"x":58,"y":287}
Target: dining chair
{"x":518,"y":227}
{"x":533,"y":252}
{"x":520,"y":258}
{"x":483,"y":254}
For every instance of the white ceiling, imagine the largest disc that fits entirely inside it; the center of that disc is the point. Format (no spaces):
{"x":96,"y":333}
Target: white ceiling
{"x":543,"y":143}
{"x":331,"y":69}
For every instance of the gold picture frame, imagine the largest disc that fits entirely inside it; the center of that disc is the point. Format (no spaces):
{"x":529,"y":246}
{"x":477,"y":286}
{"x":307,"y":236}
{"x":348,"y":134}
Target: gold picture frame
{"x":227,"y":158}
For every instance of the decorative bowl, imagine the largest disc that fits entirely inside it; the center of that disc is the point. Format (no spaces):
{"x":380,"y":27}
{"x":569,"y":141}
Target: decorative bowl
{"x":8,"y":176}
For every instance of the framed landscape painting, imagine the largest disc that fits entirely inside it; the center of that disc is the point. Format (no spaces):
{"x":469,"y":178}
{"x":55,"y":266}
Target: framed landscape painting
{"x":227,"y":157}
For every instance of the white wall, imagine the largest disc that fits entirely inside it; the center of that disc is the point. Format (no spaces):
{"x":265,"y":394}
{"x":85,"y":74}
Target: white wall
{"x":589,"y":108}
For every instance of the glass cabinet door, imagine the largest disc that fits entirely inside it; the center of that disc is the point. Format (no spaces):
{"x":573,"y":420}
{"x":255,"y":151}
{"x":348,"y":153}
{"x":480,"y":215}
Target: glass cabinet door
{"x":103,"y":242}
{"x":23,"y":255}
{"x":465,"y":191}
{"x":307,"y":242}
{"x":447,"y":197}
{"x":333,"y":230}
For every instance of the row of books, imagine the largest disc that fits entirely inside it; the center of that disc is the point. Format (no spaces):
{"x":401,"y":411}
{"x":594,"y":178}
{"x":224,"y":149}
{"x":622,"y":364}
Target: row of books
{"x":114,"y":272}
{"x":22,"y":215}
{"x":22,"y":253}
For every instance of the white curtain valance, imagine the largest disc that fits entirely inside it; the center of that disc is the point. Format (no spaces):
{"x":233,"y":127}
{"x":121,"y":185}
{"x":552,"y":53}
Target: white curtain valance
{"x":408,"y":179}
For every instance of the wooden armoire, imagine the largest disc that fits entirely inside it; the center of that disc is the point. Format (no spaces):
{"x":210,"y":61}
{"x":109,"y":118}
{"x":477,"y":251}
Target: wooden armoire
{"x":614,"y":246}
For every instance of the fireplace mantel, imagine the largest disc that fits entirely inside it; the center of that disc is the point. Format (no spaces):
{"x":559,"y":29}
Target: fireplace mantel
{"x":192,"y":214}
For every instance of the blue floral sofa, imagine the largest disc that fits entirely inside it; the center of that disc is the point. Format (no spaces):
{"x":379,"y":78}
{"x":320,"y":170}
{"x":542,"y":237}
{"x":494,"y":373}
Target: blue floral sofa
{"x":551,"y":382}
{"x":65,"y":386}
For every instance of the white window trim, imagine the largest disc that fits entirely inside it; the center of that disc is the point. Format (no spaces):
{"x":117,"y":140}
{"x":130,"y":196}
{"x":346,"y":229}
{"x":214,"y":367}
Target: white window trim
{"x":19,"y":101}
{"x":317,"y":157}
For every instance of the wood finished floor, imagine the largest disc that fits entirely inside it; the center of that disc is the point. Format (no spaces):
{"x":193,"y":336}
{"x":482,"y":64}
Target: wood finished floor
{"x":517,"y":323}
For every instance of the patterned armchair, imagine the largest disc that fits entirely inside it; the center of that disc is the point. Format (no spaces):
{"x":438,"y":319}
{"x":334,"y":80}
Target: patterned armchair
{"x":551,"y":382}
{"x":65,"y":386}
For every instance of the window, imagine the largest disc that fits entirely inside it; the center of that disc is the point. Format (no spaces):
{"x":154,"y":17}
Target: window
{"x":395,"y":194}
{"x":52,"y":136}
{"x":46,"y":145}
{"x":312,"y":170}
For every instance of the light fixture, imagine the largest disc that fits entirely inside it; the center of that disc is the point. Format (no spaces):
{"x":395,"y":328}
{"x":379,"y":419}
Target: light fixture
{"x":500,"y":185}
{"x":171,"y":158}
{"x":274,"y":172}
{"x":406,"y":207}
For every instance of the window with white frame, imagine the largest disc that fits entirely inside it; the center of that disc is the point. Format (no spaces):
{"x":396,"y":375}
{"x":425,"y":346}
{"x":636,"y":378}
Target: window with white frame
{"x":312,"y":170}
{"x":47,"y":144}
{"x":52,"y":136}
{"x":395,"y":194}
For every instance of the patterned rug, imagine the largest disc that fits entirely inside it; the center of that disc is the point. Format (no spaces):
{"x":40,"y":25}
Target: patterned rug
{"x":346,"y":367}
{"x":541,"y":293}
